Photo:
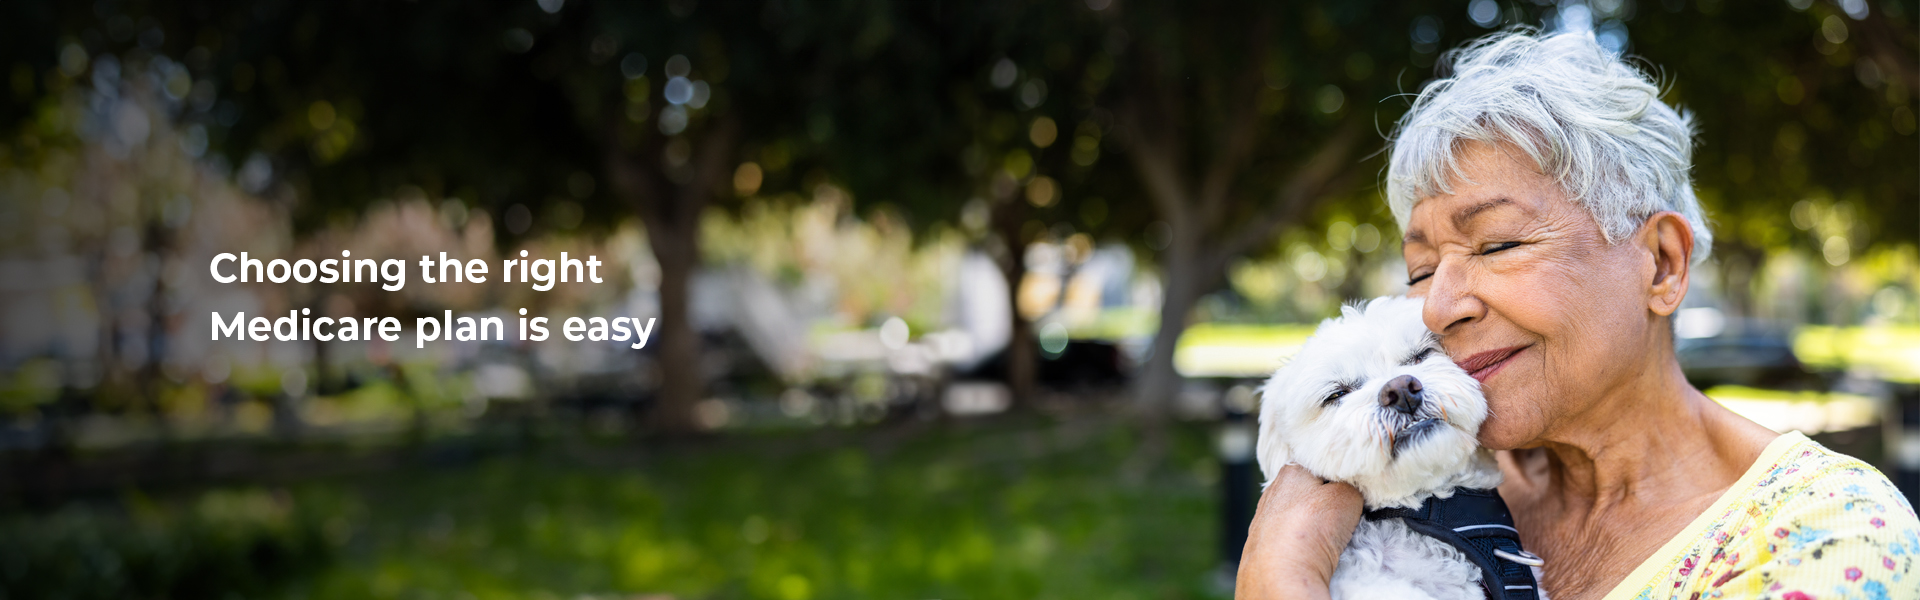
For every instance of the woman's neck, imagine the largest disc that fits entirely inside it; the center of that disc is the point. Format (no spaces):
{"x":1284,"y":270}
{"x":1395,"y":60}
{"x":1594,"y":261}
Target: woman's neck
{"x":1656,"y":440}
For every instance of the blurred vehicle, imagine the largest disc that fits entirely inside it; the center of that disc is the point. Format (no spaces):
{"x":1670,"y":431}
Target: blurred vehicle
{"x":1756,"y":357}
{"x":1082,"y":364}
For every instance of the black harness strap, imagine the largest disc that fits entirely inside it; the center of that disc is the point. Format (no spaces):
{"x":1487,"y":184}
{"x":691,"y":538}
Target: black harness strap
{"x":1477,"y":523}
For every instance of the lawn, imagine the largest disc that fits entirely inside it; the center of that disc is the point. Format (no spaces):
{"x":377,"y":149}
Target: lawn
{"x":1017,"y":508}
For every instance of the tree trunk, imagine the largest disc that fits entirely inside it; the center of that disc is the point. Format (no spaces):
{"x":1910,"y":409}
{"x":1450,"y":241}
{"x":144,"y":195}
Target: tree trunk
{"x":1205,"y":237}
{"x":1739,"y":264}
{"x":158,"y":243}
{"x":1354,"y":284}
{"x":670,"y":209}
{"x":1023,"y":357}
{"x":682,"y":380}
{"x":1023,"y":347}
{"x":1186,"y":283}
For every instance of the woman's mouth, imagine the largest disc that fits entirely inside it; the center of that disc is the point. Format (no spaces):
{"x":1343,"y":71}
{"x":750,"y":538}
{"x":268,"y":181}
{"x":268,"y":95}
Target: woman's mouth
{"x":1482,"y":366}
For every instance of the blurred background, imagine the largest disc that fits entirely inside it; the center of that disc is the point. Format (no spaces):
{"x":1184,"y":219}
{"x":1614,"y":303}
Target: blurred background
{"x":959,"y":300}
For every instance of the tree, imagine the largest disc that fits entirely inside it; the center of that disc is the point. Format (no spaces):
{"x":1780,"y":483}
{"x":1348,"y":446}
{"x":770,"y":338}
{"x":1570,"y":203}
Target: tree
{"x":497,"y":107}
{"x":1237,"y":121}
{"x":1232,"y":122}
{"x":974,"y":103}
{"x":1240,"y":122}
{"x":1798,"y":110}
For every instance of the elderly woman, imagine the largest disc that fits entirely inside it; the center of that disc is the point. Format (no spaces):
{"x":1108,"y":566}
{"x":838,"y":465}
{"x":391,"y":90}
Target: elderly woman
{"x":1550,"y":223}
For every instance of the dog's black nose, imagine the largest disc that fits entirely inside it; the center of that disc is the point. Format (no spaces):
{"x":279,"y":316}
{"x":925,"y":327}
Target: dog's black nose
{"x":1402,"y":394}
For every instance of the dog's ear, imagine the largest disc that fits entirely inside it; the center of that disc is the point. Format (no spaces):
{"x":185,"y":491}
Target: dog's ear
{"x":1271,"y":453}
{"x":1352,"y":308}
{"x":1269,"y":450}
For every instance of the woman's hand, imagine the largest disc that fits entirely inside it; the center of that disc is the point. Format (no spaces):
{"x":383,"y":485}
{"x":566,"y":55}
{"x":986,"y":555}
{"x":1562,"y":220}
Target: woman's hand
{"x":1298,"y":532}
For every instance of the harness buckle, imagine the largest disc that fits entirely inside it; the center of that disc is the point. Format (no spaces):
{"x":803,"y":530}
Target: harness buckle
{"x":1524,"y":557}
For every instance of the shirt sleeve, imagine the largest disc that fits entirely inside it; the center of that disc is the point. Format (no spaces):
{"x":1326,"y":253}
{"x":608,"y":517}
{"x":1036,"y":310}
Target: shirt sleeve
{"x":1847,"y":534}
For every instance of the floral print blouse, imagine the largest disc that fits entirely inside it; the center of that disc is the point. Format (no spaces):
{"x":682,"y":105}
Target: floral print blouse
{"x":1804,"y":523}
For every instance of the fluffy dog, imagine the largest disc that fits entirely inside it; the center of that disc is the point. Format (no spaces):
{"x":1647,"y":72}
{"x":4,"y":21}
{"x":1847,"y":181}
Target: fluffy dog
{"x":1373,"y":401}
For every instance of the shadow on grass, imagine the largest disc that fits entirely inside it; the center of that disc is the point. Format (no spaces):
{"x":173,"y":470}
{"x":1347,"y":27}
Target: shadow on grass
{"x":1018,"y":507}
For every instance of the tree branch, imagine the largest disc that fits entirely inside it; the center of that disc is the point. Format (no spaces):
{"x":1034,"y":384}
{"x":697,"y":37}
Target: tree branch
{"x":1152,"y":118}
{"x":1333,"y":162}
{"x":1241,"y":132}
{"x":1158,"y":167}
{"x":627,"y":170}
{"x":710,"y":170}
{"x":1891,"y":44}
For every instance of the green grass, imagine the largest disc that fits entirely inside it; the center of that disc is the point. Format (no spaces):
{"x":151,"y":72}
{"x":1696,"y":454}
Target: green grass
{"x":1891,"y":351}
{"x":1017,"y":509}
{"x":1238,"y":350}
{"x":221,"y":543}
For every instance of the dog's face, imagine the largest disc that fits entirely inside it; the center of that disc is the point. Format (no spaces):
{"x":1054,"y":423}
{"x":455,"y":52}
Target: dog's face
{"x":1372,"y":400}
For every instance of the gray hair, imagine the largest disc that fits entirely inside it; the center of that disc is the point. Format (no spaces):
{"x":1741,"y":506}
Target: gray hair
{"x":1587,"y":118}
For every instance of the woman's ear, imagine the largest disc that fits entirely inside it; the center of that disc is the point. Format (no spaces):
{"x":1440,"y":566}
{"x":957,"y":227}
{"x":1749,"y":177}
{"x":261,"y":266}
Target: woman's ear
{"x":1668,"y":238}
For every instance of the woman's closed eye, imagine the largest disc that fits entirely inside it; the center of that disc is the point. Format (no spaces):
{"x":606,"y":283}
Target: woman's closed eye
{"x":1484,"y":250}
{"x":1496,"y":247}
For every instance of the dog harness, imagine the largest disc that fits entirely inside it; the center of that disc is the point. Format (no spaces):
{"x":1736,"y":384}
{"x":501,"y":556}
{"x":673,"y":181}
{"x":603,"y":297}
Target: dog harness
{"x":1477,"y":523}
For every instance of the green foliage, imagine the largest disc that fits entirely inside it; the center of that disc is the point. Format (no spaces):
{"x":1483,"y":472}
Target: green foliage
{"x":1015,"y":509}
{"x":1793,"y":105}
{"x":34,"y":384}
{"x":1002,"y":513}
{"x":246,"y":541}
{"x":900,"y":100}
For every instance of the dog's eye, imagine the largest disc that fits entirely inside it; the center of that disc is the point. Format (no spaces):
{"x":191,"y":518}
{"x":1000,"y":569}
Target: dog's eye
{"x":1335,"y":396}
{"x":1420,"y":356}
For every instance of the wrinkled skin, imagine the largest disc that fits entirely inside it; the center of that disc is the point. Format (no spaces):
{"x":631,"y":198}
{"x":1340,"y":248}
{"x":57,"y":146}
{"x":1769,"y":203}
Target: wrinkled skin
{"x":1610,"y":452}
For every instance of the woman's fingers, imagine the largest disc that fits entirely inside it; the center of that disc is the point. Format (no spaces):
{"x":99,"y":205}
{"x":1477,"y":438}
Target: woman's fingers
{"x":1298,"y":532}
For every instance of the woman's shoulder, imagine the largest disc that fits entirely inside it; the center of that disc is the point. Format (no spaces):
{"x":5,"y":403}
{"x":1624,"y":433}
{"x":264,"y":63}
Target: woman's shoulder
{"x":1804,"y":522}
{"x":1822,"y":490}
{"x":1828,"y":524}
{"x":1808,"y":475}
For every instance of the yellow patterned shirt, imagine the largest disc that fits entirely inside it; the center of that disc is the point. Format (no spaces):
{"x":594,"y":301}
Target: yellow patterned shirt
{"x":1803,"y":523}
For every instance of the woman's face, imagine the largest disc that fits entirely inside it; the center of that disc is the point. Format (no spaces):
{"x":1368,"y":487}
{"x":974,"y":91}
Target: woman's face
{"x":1529,"y":297}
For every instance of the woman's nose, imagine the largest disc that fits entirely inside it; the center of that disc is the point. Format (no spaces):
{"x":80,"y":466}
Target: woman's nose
{"x":1450,"y":301}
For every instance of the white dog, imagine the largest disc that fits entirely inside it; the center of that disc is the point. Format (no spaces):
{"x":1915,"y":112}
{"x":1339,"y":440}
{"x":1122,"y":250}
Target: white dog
{"x":1371,"y":400}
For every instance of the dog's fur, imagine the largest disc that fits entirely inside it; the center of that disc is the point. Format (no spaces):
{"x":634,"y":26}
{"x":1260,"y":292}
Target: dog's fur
{"x":1353,"y":438}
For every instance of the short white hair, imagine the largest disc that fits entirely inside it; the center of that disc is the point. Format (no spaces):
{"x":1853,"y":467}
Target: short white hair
{"x":1587,"y":118}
